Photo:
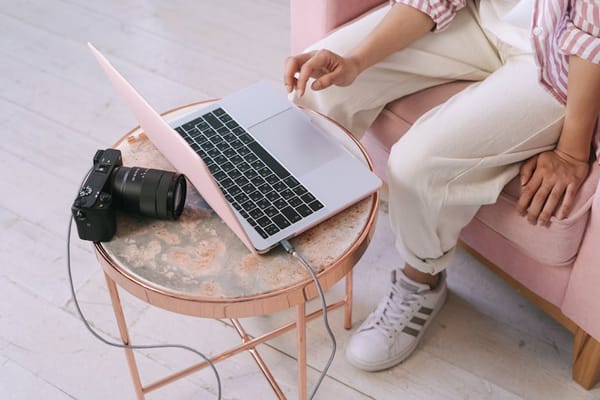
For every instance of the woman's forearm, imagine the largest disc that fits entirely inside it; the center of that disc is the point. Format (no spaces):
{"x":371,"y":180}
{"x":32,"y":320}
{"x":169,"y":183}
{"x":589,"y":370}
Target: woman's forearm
{"x":583,"y":107}
{"x":401,"y":26}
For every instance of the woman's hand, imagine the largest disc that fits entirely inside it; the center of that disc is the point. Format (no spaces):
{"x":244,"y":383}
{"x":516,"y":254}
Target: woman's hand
{"x":549,"y":183}
{"x":327,"y":67}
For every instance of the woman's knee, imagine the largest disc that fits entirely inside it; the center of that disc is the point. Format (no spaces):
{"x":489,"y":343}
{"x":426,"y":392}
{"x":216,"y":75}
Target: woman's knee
{"x":410,"y":167}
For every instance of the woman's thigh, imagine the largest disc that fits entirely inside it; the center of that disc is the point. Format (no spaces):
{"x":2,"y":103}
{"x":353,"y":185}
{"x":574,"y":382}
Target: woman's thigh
{"x":460,"y":52}
{"x":479,"y":136}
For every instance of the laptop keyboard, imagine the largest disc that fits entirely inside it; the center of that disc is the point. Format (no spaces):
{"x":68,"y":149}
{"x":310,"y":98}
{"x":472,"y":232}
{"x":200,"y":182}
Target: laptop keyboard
{"x":255,"y":184}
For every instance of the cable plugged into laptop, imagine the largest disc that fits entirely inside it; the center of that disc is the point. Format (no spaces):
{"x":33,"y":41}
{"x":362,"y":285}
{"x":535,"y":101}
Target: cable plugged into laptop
{"x":287,"y":246}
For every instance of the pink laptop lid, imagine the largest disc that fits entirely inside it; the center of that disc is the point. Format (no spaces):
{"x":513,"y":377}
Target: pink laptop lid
{"x":164,"y":137}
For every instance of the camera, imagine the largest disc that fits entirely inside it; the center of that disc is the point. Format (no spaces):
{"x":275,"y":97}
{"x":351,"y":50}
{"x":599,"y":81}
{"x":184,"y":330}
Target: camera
{"x":111,"y":186}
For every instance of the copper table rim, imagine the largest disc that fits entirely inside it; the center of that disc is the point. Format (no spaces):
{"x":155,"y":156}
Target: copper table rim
{"x":232,"y":307}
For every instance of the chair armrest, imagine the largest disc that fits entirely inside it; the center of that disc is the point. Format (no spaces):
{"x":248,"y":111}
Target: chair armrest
{"x":313,"y":19}
{"x":581,"y":303}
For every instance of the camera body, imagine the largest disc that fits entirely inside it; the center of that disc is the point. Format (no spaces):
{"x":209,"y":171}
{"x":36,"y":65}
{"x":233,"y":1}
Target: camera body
{"x":110,"y":185}
{"x":93,"y":208}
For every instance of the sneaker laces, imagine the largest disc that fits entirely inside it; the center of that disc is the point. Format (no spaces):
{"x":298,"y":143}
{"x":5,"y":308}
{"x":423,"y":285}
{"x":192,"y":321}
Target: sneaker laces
{"x":394,"y":310}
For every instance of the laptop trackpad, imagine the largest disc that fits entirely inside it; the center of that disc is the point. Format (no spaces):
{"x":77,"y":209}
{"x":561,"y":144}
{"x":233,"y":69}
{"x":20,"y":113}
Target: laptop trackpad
{"x":295,"y":142}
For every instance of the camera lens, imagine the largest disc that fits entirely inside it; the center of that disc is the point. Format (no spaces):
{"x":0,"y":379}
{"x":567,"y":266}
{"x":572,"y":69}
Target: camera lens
{"x":150,"y":192}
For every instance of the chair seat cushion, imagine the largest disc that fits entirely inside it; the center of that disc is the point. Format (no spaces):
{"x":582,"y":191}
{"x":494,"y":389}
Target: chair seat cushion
{"x":565,"y":235}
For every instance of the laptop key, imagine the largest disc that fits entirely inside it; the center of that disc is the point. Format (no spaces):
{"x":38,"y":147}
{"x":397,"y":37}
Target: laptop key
{"x":214,"y":168}
{"x":237,"y":160}
{"x":280,"y":203}
{"x":263,"y":222}
{"x":262,"y":233}
{"x":257,"y":181}
{"x":219,"y":176}
{"x":243,"y":166}
{"x":290,"y":214}
{"x":241,"y":198}
{"x":271,"y":211}
{"x":300,"y":190}
{"x":280,"y":221}
{"x":227,"y":166}
{"x":212,"y":121}
{"x":256,"y":196}
{"x":251,"y":174}
{"x":273,"y":196}
{"x":241,"y":182}
{"x":236,"y":144}
{"x":232,"y":124}
{"x":257,"y":164}
{"x":234,"y":174}
{"x":291,"y":181}
{"x":248,"y":206}
{"x":243,"y":151}
{"x":263,"y":203}
{"x":213,"y":152}
{"x":248,"y":187}
{"x":189,"y":125}
{"x":229,"y":152}
{"x":272,"y":179}
{"x":304,"y":210}
{"x":316,"y":205}
{"x":234,"y":191}
{"x":245,"y":138}
{"x":279,"y":186}
{"x":272,"y":229}
{"x":295,"y":201}
{"x":256,"y":213}
{"x":308,"y":198}
{"x":287,"y":194}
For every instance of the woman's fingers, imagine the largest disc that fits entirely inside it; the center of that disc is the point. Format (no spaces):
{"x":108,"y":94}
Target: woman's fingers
{"x":325,"y":66}
{"x":292,"y":66}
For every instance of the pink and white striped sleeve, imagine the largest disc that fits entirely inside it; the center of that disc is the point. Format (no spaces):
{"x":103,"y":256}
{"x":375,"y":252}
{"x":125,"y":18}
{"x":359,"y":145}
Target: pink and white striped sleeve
{"x":441,"y":11}
{"x":582,"y":34}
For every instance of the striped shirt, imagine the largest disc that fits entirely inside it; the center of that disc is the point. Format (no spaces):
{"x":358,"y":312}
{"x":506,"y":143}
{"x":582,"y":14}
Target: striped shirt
{"x":560,"y":28}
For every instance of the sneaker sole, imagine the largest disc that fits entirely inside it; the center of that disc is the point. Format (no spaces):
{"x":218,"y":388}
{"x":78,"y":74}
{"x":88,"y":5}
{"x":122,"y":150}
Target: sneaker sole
{"x":380,"y":366}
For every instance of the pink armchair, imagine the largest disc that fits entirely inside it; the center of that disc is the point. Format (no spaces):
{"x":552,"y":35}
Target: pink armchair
{"x":558,"y":268}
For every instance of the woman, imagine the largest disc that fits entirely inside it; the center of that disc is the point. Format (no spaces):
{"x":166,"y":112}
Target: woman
{"x":533,"y":112}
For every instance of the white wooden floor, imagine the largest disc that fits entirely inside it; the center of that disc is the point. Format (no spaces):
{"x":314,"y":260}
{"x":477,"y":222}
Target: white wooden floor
{"x":56,"y":109}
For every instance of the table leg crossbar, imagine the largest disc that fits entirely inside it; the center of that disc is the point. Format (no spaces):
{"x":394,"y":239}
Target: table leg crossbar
{"x":247,"y":344}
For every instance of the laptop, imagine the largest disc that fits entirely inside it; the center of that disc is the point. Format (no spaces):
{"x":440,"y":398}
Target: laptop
{"x":260,"y":163}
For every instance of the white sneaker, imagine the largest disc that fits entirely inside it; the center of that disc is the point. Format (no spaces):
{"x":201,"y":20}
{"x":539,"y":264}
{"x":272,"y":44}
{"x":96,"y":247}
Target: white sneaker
{"x":391,"y":333}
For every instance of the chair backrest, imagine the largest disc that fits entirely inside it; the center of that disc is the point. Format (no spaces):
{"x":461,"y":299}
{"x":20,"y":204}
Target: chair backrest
{"x":313,"y":19}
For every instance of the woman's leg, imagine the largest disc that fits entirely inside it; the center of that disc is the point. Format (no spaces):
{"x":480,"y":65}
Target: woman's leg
{"x":460,"y":155}
{"x":454,"y":159}
{"x":434,"y":59}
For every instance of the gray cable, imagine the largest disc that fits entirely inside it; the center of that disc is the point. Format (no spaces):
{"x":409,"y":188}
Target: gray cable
{"x":290,"y":249}
{"x":121,"y":345}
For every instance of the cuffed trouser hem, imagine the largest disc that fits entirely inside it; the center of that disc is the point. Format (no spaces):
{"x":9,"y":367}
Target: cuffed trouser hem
{"x":431,"y":266}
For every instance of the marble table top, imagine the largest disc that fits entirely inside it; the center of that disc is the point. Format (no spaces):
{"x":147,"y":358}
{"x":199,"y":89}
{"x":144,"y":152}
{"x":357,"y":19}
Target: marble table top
{"x":197,"y":257}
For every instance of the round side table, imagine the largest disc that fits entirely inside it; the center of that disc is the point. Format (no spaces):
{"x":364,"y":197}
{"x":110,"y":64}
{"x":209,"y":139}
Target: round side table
{"x":197,"y":266}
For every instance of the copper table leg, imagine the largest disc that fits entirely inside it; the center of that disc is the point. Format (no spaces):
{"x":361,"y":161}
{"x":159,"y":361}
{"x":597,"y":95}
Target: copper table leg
{"x":301,"y":349}
{"x":348,"y":302}
{"x":120,"y":317}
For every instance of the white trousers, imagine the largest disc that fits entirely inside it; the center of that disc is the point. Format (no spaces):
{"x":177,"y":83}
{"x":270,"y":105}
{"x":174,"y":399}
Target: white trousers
{"x":459,"y":155}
